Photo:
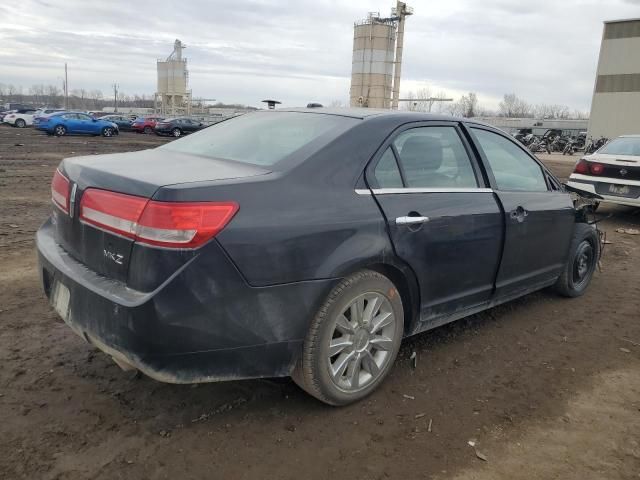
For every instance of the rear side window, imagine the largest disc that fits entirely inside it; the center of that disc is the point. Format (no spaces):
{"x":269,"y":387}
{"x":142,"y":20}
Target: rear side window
{"x":263,"y":138}
{"x":387,"y":172}
{"x":434,"y":157}
{"x":512,"y":168}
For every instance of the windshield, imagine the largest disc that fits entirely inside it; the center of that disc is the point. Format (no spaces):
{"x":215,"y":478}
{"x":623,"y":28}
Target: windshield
{"x":263,"y":138}
{"x":622,"y":146}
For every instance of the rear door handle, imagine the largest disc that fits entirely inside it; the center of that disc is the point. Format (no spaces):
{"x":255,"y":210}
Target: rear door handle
{"x":411,"y":220}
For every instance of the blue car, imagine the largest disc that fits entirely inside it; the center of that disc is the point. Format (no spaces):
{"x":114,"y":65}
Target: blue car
{"x":76,"y":123}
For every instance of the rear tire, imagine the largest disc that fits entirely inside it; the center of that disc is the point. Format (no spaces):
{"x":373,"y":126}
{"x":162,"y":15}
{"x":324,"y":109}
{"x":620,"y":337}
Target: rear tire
{"x":148,"y":130}
{"x":353,"y":340}
{"x":176,"y":132}
{"x":21,"y":123}
{"x":60,"y":131}
{"x":581,"y":263}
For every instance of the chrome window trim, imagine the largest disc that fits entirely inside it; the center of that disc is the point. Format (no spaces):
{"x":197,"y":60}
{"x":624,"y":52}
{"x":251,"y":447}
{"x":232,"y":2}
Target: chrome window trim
{"x":390,"y":191}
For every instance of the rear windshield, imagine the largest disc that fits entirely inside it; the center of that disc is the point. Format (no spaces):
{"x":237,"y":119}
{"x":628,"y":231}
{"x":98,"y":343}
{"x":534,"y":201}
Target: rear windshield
{"x":622,"y":146}
{"x":263,"y":138}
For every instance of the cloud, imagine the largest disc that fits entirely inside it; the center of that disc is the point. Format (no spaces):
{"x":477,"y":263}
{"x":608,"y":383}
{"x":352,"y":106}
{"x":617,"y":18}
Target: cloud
{"x":243,"y":51}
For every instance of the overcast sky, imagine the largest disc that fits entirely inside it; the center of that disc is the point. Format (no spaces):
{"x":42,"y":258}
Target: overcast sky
{"x":243,"y":51}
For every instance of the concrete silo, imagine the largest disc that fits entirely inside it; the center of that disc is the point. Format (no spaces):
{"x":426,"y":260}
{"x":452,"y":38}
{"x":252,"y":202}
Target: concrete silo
{"x":377,"y":58}
{"x":173,"y":96}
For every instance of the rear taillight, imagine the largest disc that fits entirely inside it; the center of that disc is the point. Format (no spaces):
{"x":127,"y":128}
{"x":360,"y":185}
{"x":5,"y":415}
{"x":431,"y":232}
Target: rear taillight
{"x":582,"y":167}
{"x":112,"y":211}
{"x":60,"y":191}
{"x":165,"y":224}
{"x":596,"y":168}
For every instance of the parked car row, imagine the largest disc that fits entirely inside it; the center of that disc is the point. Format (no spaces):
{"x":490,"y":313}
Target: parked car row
{"x":56,"y":121}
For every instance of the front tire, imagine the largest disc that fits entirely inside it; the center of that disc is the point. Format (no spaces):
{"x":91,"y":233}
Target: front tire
{"x":60,"y":131}
{"x":582,"y":262}
{"x":176,"y":132}
{"x":107,"y":132}
{"x":353,"y":340}
{"x":148,"y":130}
{"x":21,"y":123}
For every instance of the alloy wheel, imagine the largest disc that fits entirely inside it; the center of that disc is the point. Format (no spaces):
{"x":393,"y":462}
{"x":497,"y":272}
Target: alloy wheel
{"x":108,"y":132}
{"x":176,"y":132}
{"x":362,"y":340}
{"x":60,"y":130}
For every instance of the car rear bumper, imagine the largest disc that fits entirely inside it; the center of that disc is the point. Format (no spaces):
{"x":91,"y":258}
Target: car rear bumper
{"x":596,"y":186}
{"x":194,"y":327}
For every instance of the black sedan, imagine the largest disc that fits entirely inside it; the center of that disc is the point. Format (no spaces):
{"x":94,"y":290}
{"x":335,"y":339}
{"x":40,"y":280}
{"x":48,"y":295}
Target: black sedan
{"x":304,"y":243}
{"x":177,"y":127}
{"x":123,"y":121}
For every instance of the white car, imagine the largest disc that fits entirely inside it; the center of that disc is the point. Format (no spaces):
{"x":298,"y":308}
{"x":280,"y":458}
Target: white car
{"x":613,"y":172}
{"x":23,"y":118}
{"x":20,"y":118}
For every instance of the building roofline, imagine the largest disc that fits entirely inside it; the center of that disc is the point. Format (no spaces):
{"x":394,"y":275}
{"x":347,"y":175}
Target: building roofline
{"x":623,"y":20}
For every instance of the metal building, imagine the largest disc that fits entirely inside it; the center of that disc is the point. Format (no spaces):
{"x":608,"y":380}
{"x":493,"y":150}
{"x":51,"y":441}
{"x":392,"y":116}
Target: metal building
{"x":377,"y":59}
{"x":173,"y":96}
{"x":615,"y":108}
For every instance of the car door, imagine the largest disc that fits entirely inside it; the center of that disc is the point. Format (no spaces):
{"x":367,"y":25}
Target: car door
{"x":189,"y":125}
{"x":72,"y":123}
{"x":86,"y":124}
{"x":443,"y":220}
{"x":538,"y":215}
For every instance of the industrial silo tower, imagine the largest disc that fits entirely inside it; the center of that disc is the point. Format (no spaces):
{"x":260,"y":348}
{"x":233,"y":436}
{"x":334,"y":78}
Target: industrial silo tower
{"x":173,"y":96}
{"x":377,"y":59}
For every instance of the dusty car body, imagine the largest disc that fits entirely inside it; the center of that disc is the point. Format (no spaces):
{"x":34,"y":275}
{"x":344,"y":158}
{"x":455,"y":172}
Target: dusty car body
{"x":612,"y":172}
{"x":331,"y":236}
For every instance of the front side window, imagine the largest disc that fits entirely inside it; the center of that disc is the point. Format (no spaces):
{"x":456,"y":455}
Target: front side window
{"x":434,"y":157}
{"x":512,"y":168}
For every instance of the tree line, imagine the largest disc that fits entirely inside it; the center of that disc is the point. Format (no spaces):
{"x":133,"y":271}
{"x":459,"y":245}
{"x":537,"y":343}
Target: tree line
{"x":468,"y":105}
{"x":79,"y":99}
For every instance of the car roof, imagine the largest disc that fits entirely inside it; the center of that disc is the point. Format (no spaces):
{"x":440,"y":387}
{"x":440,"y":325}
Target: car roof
{"x":365,"y":113}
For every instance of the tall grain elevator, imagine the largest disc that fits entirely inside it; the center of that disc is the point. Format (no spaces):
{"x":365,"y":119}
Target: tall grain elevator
{"x":173,"y":96}
{"x":377,"y":59}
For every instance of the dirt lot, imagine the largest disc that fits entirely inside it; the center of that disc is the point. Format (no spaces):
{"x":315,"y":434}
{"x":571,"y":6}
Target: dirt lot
{"x":547,"y":387}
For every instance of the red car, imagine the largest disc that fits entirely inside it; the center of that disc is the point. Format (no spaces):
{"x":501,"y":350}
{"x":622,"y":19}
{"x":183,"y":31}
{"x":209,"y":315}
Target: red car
{"x":145,"y":124}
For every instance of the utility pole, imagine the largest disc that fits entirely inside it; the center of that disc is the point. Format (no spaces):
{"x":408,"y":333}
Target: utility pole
{"x":66,"y":88}
{"x":115,"y":97}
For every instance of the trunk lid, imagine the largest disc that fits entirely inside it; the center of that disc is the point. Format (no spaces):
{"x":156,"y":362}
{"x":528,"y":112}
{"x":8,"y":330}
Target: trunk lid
{"x":624,"y":167}
{"x":136,"y":173}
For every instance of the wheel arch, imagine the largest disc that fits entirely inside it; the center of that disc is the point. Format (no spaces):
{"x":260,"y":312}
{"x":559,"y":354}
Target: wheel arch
{"x":405,"y":280}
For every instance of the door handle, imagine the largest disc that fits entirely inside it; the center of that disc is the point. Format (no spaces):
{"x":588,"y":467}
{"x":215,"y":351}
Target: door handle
{"x":411,"y":220}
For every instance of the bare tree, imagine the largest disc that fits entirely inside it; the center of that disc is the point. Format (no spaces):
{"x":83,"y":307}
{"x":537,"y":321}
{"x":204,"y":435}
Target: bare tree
{"x":469,"y":105}
{"x":96,"y":97}
{"x":514,"y":107}
{"x":553,"y":111}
